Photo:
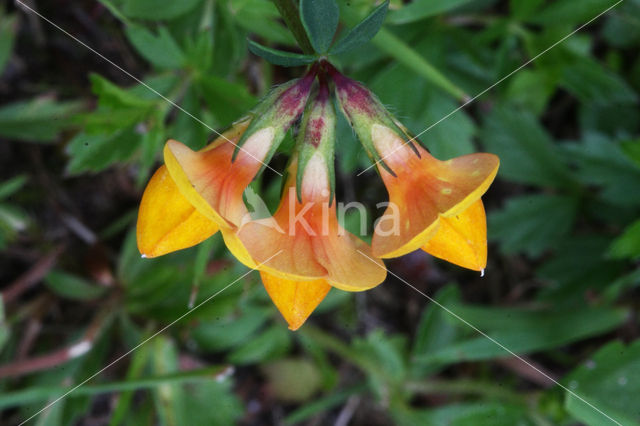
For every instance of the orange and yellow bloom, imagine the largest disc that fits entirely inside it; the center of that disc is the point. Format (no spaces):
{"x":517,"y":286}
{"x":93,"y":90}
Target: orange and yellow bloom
{"x":302,"y":251}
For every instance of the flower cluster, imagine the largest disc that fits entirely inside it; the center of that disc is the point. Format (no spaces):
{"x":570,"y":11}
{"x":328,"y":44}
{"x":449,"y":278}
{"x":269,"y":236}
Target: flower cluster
{"x":302,"y":250}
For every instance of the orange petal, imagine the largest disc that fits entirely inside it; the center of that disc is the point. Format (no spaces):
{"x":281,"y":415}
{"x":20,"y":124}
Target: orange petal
{"x":462,"y":239}
{"x":295,"y":299}
{"x":303,"y":240}
{"x":166,"y":220}
{"x":424,"y":189}
{"x":211,"y":181}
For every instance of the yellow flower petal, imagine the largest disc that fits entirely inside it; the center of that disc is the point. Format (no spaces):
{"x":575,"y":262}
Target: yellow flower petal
{"x":166,"y":220}
{"x":462,"y":239}
{"x":423,"y":190}
{"x":295,"y":300}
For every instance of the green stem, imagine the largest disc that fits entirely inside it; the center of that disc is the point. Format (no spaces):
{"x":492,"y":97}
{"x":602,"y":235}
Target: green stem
{"x":289,"y":11}
{"x":463,"y":387}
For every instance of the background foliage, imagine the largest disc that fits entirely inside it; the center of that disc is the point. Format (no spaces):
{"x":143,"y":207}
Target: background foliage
{"x":80,"y":139}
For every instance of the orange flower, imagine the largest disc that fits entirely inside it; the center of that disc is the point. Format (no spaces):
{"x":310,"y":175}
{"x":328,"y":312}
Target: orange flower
{"x":422,"y":189}
{"x":167,"y":220}
{"x":302,"y":249}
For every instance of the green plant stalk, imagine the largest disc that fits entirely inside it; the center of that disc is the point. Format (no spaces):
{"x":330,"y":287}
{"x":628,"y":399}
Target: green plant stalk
{"x":291,"y":15}
{"x":464,"y":387}
{"x":35,"y":394}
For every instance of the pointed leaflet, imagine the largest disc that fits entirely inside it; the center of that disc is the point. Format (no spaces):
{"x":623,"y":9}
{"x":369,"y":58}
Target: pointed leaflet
{"x":363,"y":32}
{"x":320,"y":21}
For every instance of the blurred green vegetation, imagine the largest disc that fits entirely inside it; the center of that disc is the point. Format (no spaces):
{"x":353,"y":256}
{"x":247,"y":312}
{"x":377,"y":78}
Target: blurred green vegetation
{"x":80,"y":139}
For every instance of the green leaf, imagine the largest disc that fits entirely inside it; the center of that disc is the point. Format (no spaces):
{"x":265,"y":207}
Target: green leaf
{"x":94,"y":153}
{"x":607,"y":381}
{"x":627,"y":246}
{"x":159,"y":49}
{"x":532,"y":223}
{"x":320,"y":20}
{"x":565,"y":12}
{"x":11,"y":186}
{"x":420,"y":9}
{"x":227,"y":101}
{"x":72,"y":287}
{"x":591,"y":83}
{"x":279,"y":57}
{"x":435,"y":331}
{"x":158,"y":9}
{"x":363,"y":32}
{"x":111,"y":95}
{"x":36,"y":120}
{"x":523,"y":9}
{"x":270,"y":344}
{"x":464,"y":414}
{"x":260,"y":17}
{"x":321,"y":404}
{"x":601,"y":162}
{"x":8,"y":27}
{"x":527,"y":153}
{"x":230,"y":332}
{"x":523,"y":331}
{"x":632,"y":150}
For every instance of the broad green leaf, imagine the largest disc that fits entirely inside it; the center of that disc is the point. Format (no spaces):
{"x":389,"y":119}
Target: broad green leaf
{"x":36,"y":120}
{"x":532,"y":224}
{"x":420,"y":9}
{"x":72,"y":287}
{"x":160,"y":49}
{"x":363,"y":32}
{"x":260,"y":17}
{"x":600,"y":162}
{"x":523,"y":331}
{"x":8,"y":27}
{"x":320,"y":20}
{"x":627,"y":246}
{"x":591,"y":83}
{"x":279,"y":57}
{"x":531,"y":90}
{"x":158,"y":9}
{"x":577,"y":268}
{"x":93,"y":153}
{"x":527,"y":153}
{"x":608,"y":380}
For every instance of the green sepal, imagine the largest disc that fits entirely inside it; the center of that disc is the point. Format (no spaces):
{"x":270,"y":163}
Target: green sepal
{"x":317,"y":109}
{"x":268,"y":114}
{"x":363,"y":32}
{"x":279,"y":57}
